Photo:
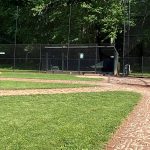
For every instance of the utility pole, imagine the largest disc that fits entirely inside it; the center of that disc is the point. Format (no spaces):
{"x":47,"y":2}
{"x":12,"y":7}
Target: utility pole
{"x":129,"y":18}
{"x":16,"y":30}
{"x":124,"y":37}
{"x":126,"y":30}
{"x":69,"y":31}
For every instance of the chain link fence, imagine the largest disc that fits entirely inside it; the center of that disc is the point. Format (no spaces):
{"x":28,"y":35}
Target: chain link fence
{"x":25,"y":57}
{"x":138,"y":65}
{"x":90,"y":58}
{"x":48,"y":57}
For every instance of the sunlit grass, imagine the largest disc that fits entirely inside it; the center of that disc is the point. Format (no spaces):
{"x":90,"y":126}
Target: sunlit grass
{"x":32,"y":85}
{"x":62,"y":121}
{"x":45,"y":76}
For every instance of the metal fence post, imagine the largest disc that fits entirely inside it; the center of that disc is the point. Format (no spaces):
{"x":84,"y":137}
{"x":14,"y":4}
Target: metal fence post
{"x":14,"y":65}
{"x":142,"y":65}
{"x":79,"y":62}
{"x":62,"y":61}
{"x":47,"y":61}
{"x":96,"y":60}
{"x":40,"y":63}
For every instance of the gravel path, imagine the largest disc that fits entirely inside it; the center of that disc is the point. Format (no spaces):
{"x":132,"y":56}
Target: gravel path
{"x":134,"y":133}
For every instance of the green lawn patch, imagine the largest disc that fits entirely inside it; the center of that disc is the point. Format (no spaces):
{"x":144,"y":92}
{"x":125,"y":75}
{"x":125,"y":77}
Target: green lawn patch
{"x":146,"y":75}
{"x":32,"y":85}
{"x":7,"y":68}
{"x":45,"y":76}
{"x":62,"y":121}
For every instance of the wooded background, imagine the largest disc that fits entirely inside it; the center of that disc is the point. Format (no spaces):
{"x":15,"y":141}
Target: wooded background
{"x":91,"y":21}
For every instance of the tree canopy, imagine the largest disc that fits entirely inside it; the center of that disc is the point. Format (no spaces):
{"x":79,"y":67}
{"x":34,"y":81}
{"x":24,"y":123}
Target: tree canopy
{"x":47,"y":21}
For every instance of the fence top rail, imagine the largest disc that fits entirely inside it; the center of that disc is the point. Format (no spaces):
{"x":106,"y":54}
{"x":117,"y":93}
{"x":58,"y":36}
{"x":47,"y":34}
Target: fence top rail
{"x":59,"y":47}
{"x":64,"y":44}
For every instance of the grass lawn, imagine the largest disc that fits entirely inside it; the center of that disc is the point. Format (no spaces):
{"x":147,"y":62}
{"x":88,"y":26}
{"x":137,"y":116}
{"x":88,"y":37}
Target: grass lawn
{"x":140,"y":75}
{"x":32,"y":85}
{"x":63,"y":121}
{"x":45,"y":76}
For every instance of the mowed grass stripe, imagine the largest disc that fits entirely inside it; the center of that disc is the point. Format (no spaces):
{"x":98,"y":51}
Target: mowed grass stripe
{"x":62,"y":121}
{"x":8,"y":85}
{"x":46,"y":76}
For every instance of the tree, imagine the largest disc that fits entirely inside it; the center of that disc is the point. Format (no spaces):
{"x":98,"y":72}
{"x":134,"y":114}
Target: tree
{"x":46,"y":21}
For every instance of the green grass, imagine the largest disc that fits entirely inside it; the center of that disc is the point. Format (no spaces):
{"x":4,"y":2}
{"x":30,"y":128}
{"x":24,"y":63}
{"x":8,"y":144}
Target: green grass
{"x":45,"y":76}
{"x":32,"y":85}
{"x":140,"y":75}
{"x":63,"y":121}
{"x":10,"y":69}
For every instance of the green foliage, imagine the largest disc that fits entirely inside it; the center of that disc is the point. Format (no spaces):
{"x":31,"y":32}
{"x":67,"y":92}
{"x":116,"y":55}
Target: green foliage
{"x":46,"y":21}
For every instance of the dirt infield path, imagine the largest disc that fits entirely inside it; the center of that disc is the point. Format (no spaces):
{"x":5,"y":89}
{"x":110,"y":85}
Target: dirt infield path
{"x":50,"y":81}
{"x":134,"y":133}
{"x":104,"y":87}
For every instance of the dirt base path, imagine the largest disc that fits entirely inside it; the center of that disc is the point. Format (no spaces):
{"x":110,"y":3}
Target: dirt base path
{"x":104,"y":87}
{"x":51,"y":81}
{"x":134,"y":133}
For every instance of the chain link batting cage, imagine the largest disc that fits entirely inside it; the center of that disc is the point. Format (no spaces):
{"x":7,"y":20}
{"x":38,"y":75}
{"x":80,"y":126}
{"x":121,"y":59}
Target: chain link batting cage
{"x":60,"y":58}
